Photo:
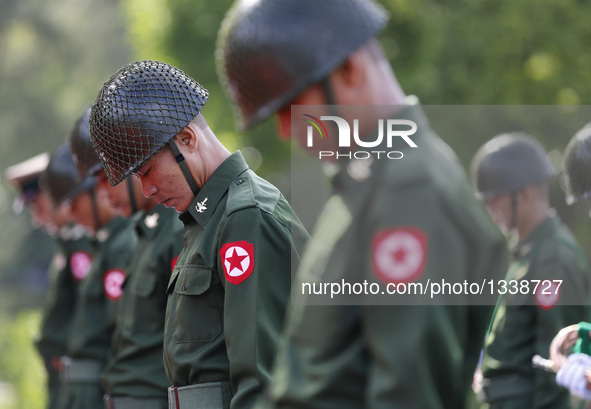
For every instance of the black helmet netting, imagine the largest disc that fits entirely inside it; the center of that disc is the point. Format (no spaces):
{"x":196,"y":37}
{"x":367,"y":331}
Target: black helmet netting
{"x":271,"y":50}
{"x":138,"y":110}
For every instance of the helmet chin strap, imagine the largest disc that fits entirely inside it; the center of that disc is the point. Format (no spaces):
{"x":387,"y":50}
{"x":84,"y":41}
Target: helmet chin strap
{"x":180,"y":159}
{"x":95,"y":212}
{"x":132,"y":201}
{"x":513,"y":224}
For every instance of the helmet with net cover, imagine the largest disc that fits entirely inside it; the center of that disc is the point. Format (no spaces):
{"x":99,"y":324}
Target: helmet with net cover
{"x":508,"y":163}
{"x":138,"y":111}
{"x":269,"y":51}
{"x":577,"y":166}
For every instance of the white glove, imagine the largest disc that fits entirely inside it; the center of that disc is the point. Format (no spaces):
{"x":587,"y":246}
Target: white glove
{"x":572,"y":375}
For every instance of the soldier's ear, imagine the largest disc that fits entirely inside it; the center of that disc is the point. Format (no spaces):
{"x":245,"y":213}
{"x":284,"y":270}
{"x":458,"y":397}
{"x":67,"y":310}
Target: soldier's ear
{"x":188,"y":139}
{"x":352,"y":71}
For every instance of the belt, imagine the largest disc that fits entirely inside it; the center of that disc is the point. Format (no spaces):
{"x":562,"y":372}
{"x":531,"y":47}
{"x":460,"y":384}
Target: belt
{"x":80,"y":370}
{"x":505,"y":387}
{"x":128,"y":402}
{"x":199,"y":396}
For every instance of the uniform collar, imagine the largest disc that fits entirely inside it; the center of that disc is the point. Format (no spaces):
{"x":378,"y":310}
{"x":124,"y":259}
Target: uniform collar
{"x":202,"y":207}
{"x":149,"y":223}
{"x":118,"y":223}
{"x":543,"y":230}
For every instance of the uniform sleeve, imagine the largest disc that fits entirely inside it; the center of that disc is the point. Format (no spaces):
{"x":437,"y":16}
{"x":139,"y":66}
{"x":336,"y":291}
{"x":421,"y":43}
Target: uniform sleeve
{"x":393,"y":356}
{"x":255,"y":255}
{"x":556,"y":262}
{"x":424,"y":355}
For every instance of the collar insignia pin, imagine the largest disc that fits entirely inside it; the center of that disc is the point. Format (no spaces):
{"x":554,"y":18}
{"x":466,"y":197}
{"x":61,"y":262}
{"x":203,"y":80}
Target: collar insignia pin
{"x":201,"y":206}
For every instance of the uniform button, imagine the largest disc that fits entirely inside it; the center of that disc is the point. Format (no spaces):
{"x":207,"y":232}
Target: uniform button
{"x":239,"y":181}
{"x":185,"y":287}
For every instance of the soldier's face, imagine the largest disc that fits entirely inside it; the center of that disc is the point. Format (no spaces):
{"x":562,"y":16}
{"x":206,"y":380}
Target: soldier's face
{"x":162,"y":179}
{"x":41,"y":210}
{"x":501,"y":210}
{"x":82,"y":210}
{"x":119,"y":195}
{"x":313,"y":95}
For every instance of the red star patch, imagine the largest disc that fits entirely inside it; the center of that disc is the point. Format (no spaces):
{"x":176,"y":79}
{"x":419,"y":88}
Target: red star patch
{"x":80,"y":264}
{"x":238,"y":260}
{"x":173,"y":263}
{"x":547,"y":294}
{"x":399,"y":254}
{"x":112,"y":281}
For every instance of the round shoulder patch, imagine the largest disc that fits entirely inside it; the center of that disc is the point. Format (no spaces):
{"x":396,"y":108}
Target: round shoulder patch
{"x":80,"y":264}
{"x":112,"y":281}
{"x":548,"y":294}
{"x":399,"y":254}
{"x":173,"y":263}
{"x":238,"y":260}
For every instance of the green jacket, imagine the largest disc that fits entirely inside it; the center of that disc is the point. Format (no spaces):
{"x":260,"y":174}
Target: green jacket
{"x":135,"y":367}
{"x":525,"y":324}
{"x":396,"y":221}
{"x":70,"y":265}
{"x":229,"y":289}
{"x":96,"y":305}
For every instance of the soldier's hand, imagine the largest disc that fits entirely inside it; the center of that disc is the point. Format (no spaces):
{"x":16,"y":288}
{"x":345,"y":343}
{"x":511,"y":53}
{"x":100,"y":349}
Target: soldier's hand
{"x":572,"y":375}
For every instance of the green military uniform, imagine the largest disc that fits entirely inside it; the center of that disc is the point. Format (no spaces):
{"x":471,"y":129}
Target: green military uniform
{"x":391,"y":356}
{"x":229,"y":289}
{"x":135,"y":370}
{"x":74,"y":247}
{"x":524,"y":325}
{"x":94,"y":320}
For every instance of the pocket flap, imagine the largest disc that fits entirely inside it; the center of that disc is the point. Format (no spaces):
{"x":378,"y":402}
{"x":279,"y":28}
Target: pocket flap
{"x":173,"y":277}
{"x":193,"y":280}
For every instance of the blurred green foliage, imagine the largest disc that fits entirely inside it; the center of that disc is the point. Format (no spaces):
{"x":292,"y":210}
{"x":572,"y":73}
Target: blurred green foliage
{"x":22,"y":374}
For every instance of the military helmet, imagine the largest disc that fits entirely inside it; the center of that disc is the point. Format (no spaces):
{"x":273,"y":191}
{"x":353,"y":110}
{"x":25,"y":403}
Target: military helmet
{"x":577,"y":166}
{"x":83,"y":156}
{"x":509,"y":162}
{"x":25,"y":178}
{"x":61,"y":176}
{"x":269,"y":51}
{"x":138,"y":110}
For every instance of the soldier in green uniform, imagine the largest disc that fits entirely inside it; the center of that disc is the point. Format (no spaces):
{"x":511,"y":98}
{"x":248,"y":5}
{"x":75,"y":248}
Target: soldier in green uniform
{"x":96,"y":305}
{"x":574,"y":375}
{"x":511,"y":173}
{"x":72,"y":264}
{"x":41,"y":181}
{"x":388,"y":221}
{"x":134,"y":376}
{"x":229,"y":289}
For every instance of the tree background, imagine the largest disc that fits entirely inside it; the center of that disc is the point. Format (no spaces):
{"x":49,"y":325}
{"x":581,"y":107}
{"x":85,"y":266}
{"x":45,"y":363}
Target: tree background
{"x":55,"y":56}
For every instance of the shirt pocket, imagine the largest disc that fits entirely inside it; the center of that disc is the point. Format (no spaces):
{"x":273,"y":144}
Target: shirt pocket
{"x":197,"y":303}
{"x":144,"y":286}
